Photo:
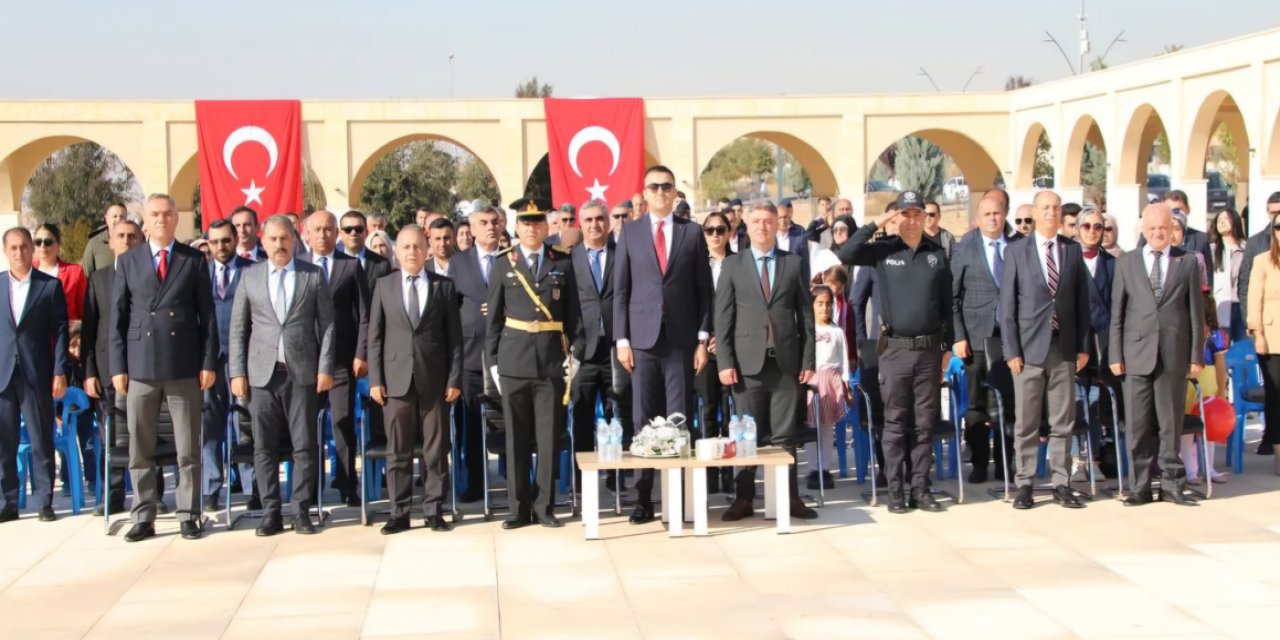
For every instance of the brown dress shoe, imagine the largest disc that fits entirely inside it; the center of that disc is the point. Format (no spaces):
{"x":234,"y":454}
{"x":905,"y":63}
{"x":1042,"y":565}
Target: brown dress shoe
{"x":738,"y":510}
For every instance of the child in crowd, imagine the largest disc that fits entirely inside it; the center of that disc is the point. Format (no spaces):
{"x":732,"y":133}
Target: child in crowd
{"x":832,"y":381}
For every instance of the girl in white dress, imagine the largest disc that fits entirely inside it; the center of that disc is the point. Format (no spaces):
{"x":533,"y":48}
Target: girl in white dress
{"x":832,"y":377}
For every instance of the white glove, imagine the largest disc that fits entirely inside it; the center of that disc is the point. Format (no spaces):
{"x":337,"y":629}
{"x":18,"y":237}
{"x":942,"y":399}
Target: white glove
{"x":493,"y":372}
{"x":571,"y":366}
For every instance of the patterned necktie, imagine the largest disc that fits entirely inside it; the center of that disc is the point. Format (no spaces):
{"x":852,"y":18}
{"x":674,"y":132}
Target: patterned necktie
{"x":660,"y":247}
{"x":1051,"y":268}
{"x":997,"y":263}
{"x":415,"y":303}
{"x":597,"y":273}
{"x":223,"y":281}
{"x":282,"y":299}
{"x":488,"y":268}
{"x":162,"y":267}
{"x":1157,"y":276}
{"x":767,"y":289}
{"x":324,"y":268}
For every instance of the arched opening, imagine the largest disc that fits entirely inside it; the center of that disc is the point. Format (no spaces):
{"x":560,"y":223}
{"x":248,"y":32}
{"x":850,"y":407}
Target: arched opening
{"x":1145,"y":156}
{"x":1271,"y":164}
{"x":1086,"y":162}
{"x":1035,"y":161}
{"x":421,"y":171}
{"x":766,"y":164}
{"x":942,"y":165}
{"x":1219,"y":137}
{"x":69,"y":181}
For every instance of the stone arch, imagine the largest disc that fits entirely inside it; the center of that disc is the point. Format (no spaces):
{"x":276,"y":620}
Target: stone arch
{"x":819,"y":170}
{"x":1135,"y":149}
{"x":362,"y":170}
{"x":1086,"y":130}
{"x":1219,"y":107}
{"x":20,"y":164}
{"x":1271,"y":161}
{"x":1027,"y":156}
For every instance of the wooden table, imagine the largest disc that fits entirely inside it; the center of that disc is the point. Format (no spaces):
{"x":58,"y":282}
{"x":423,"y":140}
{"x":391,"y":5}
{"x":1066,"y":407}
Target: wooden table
{"x":777,"y":480}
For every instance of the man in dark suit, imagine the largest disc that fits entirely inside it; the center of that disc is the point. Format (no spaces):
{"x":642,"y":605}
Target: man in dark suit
{"x":283,"y":307}
{"x":164,"y":346}
{"x":593,"y":346}
{"x":415,"y":357}
{"x":977,"y":265}
{"x":349,"y":294}
{"x":1157,"y":342}
{"x":1192,"y":239}
{"x":661,"y":312}
{"x":248,"y":245}
{"x":533,"y":309}
{"x":355,"y":230}
{"x":790,"y":237}
{"x":94,"y":333}
{"x":442,"y":248}
{"x":225,"y":271}
{"x":472,"y":270}
{"x":33,"y":350}
{"x":765,"y":345}
{"x":1044,"y":319}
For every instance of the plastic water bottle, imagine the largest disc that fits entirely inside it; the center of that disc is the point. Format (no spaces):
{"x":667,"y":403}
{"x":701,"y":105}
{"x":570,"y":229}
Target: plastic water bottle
{"x":602,"y":439}
{"x":683,"y":440}
{"x":615,"y":440}
{"x":735,"y":430}
{"x":749,"y":435}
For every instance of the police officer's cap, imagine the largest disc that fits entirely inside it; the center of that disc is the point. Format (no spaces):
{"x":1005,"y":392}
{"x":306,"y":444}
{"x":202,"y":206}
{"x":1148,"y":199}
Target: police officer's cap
{"x":909,"y":200}
{"x":736,"y":202}
{"x":531,"y":209}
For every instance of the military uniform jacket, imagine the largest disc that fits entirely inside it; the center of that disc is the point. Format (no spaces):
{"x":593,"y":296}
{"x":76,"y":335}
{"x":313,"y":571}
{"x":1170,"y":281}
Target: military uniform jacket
{"x":518,"y":353}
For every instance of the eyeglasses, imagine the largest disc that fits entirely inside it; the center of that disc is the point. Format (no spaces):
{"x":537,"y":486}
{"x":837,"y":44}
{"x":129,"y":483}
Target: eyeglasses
{"x":665,"y":187}
{"x":1091,"y":226}
{"x":355,"y":229}
{"x":928,"y":214}
{"x":715,"y":231}
{"x":45,"y":242}
{"x":1023,"y":220}
{"x":617,"y":216}
{"x":566,"y":219}
{"x":1109,"y":229}
{"x":219,"y":241}
{"x":1274,"y":226}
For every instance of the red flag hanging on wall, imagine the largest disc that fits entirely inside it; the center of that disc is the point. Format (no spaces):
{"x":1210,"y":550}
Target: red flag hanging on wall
{"x":596,"y":148}
{"x":250,"y":154}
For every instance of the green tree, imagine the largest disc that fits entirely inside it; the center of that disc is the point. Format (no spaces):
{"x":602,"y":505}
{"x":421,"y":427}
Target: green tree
{"x":919,"y":166}
{"x":414,"y":175}
{"x":1160,"y":148}
{"x":743,"y":159}
{"x":312,"y":191}
{"x":474,"y":181}
{"x":531,"y":88}
{"x":78,"y":182}
{"x":1044,"y":159}
{"x":1018,"y":82}
{"x":1226,"y":156}
{"x":1093,"y":174}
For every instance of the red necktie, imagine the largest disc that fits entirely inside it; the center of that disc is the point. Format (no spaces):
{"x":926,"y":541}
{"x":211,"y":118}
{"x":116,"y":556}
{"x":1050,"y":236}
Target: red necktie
{"x":660,"y":246}
{"x":162,"y":268}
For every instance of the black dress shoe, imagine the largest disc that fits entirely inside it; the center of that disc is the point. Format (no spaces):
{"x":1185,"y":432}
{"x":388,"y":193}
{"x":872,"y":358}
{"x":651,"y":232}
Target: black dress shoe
{"x":882,"y":480}
{"x":1138,"y":499}
{"x":897,"y":501}
{"x":1265,"y":448}
{"x":395,"y":525}
{"x":46,"y":514}
{"x":162,"y":508}
{"x":1025,"y":498}
{"x":8,"y":515}
{"x":643,"y":513}
{"x":211,"y":504}
{"x":516,"y":522}
{"x":190,"y":530}
{"x":800,"y":510}
{"x":1179,"y":498}
{"x":611,"y":481}
{"x":140,"y":531}
{"x":739,"y":509}
{"x":550,"y":521}
{"x":269,"y":527}
{"x":352,"y":500}
{"x":924,"y":501}
{"x":1064,"y":496}
{"x":978,"y":475}
{"x":437,"y":523}
{"x":302,"y":524}
{"x":713,"y":480}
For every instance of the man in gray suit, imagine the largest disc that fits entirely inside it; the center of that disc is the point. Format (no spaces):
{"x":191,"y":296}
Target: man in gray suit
{"x":765,"y":334}
{"x":1157,"y":342}
{"x":1044,"y":316}
{"x":282,"y":306}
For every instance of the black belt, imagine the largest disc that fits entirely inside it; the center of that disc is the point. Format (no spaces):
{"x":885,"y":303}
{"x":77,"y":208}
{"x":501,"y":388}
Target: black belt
{"x":771,"y":353}
{"x":282,"y":367}
{"x":916,"y":343}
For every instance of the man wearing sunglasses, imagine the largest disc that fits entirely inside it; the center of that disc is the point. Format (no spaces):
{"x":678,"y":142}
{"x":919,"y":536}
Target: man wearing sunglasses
{"x":1023,"y":223}
{"x":662,"y":312}
{"x":354,"y":231}
{"x":619,"y":216}
{"x":933,"y":226}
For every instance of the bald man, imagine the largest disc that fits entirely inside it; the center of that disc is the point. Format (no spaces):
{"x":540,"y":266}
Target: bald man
{"x":1157,"y":342}
{"x":1023,"y":222}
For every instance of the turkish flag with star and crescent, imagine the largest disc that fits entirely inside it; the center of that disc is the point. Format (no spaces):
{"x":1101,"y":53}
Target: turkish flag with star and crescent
{"x":250,"y":154}
{"x":596,"y":149}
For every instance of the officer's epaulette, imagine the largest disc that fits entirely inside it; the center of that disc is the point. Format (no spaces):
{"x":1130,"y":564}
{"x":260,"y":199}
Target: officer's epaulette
{"x":504,"y":251}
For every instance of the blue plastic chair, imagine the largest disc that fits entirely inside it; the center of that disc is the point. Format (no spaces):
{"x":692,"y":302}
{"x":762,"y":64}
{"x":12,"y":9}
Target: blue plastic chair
{"x":65,"y":441}
{"x":1246,"y":396}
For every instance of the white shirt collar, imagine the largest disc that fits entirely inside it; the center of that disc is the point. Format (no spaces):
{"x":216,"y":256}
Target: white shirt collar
{"x":1147,"y":250}
{"x":155,"y":248}
{"x":23,"y":280}
{"x":317,"y":256}
{"x":421,"y":275}
{"x":1041,"y":239}
{"x":286,"y":268}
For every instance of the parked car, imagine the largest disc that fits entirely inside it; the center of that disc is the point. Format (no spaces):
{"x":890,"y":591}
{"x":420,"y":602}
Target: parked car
{"x":955,"y":189}
{"x":1043,"y":182}
{"x":1218,"y":194}
{"x":879,"y":185}
{"x":1157,"y":185}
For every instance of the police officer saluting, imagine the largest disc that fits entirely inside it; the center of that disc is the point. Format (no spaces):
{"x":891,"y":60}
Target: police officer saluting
{"x":533,"y":307}
{"x":916,"y":330}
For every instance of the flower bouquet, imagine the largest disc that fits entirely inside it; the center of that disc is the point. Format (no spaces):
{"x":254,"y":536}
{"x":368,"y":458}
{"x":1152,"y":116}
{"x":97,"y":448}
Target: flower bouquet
{"x":661,"y":438}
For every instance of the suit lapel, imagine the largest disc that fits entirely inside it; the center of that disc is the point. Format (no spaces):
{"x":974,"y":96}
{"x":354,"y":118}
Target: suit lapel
{"x":5,"y":303}
{"x":34,"y":290}
{"x":176,"y":265}
{"x":673,"y":244}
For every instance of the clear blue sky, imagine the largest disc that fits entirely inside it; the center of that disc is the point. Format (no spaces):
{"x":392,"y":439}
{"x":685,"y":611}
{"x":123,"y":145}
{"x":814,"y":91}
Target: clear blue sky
{"x":400,"y":48}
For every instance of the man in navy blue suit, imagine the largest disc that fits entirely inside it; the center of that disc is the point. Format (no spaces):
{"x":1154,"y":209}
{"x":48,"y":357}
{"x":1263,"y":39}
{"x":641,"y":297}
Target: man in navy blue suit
{"x":164,"y":347}
{"x":661,"y":314}
{"x":33,"y":348}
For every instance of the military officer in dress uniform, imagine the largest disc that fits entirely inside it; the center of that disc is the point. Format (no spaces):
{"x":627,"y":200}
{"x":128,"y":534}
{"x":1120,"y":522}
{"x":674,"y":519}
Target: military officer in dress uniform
{"x":533,"y":312}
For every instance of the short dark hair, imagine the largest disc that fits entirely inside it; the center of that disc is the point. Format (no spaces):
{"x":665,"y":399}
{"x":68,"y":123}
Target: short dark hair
{"x":1274,"y":197}
{"x":679,"y":194}
{"x":219,"y":224}
{"x":353,"y":214}
{"x":934,"y":203}
{"x":1176,"y":194}
{"x":114,"y":204}
{"x":22,"y":231}
{"x":441,"y":223}
{"x":1071,"y":209}
{"x":821,"y":289}
{"x":239,"y":210}
{"x":658,"y":168}
{"x":53,"y":231}
{"x":461,"y":224}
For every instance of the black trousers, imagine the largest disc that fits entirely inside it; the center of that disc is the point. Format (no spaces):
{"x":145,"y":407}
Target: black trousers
{"x":342,"y":404}
{"x":776,"y":401}
{"x":597,"y":379}
{"x":661,"y":384}
{"x":715,"y":401}
{"x":469,"y":473}
{"x":911,"y":382}
{"x":284,"y":424}
{"x":982,"y":417}
{"x":536,"y":415}
{"x":213,"y":424}
{"x":1270,"y":365}
{"x":420,"y":417}
{"x":34,"y":401}
{"x":1155,"y":407}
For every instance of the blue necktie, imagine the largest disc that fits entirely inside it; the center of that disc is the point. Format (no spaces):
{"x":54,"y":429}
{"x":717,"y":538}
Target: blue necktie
{"x":997,"y":263}
{"x":596,"y":273}
{"x":488,"y":267}
{"x":324,"y":268}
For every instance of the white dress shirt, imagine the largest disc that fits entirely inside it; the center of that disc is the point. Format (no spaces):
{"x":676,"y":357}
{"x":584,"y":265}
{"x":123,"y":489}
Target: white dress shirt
{"x":715,"y":270}
{"x":18,"y":290}
{"x":273,"y":291}
{"x":482,"y":257}
{"x":328,"y":264}
{"x":667,"y":227}
{"x":1092,"y":263}
{"x":155,"y":254}
{"x":1148,"y":258}
{"x":1040,"y":251}
{"x":421,"y":285}
{"x":990,"y":251}
{"x":219,"y":268}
